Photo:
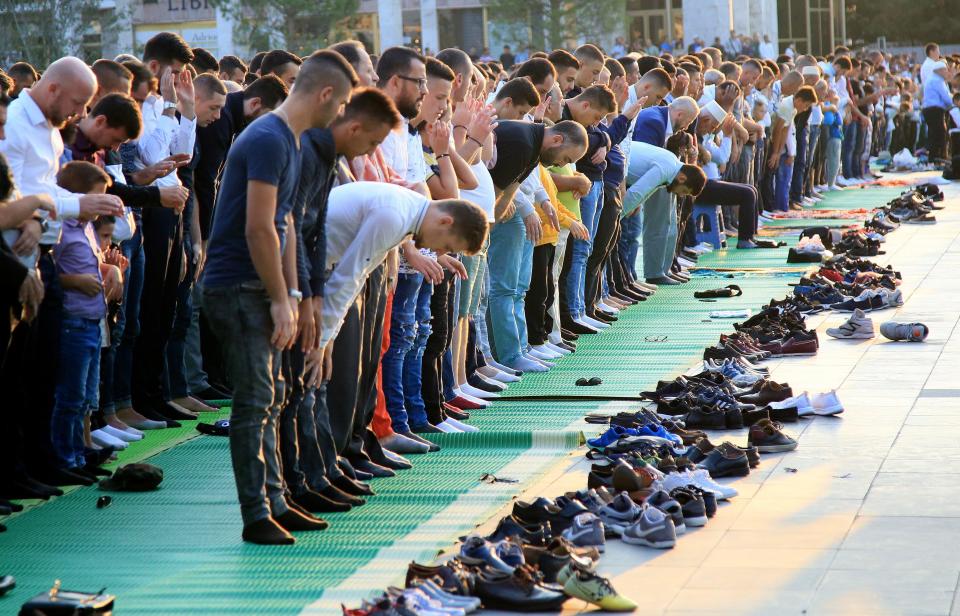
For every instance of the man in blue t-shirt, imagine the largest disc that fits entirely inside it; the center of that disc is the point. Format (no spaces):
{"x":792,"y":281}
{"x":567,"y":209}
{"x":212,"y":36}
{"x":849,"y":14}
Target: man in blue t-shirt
{"x":250,"y":290}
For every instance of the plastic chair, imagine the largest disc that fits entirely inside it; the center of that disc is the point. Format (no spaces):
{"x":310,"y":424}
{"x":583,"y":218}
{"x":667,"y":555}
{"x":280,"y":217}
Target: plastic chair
{"x":708,"y":225}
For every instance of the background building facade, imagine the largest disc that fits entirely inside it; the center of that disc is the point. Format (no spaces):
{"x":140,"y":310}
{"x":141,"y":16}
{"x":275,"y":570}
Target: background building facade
{"x":814,"y":26}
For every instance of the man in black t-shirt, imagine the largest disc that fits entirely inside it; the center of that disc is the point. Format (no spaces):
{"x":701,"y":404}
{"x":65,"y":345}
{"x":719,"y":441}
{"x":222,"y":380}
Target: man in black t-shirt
{"x":520,"y":147}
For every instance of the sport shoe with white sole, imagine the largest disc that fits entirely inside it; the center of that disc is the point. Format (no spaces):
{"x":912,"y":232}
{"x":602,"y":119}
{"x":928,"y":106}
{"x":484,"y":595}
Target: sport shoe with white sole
{"x":653,"y":529}
{"x":619,"y":514}
{"x":826,"y":403}
{"x":586,"y":531}
{"x":912,"y":332}
{"x":858,"y":327}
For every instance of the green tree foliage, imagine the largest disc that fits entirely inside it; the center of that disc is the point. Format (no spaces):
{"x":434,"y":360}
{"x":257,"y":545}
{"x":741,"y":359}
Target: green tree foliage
{"x":550,"y":24}
{"x":904,"y":21}
{"x":302,"y":26}
{"x":40,"y":31}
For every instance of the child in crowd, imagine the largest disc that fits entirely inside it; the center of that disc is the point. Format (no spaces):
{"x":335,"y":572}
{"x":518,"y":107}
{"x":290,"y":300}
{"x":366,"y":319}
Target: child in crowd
{"x":833,"y":123}
{"x":88,"y":282}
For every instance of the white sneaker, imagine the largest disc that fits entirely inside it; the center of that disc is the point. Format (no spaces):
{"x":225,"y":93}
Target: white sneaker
{"x":826,"y":403}
{"x":894,"y":298}
{"x":858,"y":327}
{"x":700,"y":478}
{"x":104,"y":439}
{"x":802,"y":402}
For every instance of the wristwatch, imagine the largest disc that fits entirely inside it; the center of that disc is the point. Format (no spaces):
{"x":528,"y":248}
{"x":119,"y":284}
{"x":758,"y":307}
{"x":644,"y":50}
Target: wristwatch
{"x":295,"y":294}
{"x":169,"y":105}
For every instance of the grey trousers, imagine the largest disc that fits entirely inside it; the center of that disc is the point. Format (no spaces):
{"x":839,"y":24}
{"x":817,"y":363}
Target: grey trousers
{"x":659,"y":233}
{"x":240,"y":319}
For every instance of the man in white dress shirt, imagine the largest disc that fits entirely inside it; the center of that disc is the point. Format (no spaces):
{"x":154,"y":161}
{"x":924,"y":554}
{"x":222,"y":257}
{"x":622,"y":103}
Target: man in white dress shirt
{"x":33,"y":148}
{"x":169,"y":127}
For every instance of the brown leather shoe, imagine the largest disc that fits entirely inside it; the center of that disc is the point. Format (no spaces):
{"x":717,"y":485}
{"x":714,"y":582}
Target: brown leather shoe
{"x":798,"y":347}
{"x":769,"y":392}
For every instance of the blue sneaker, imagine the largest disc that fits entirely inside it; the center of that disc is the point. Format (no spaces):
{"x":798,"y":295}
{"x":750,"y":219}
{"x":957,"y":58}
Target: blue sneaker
{"x":611,"y":436}
{"x":510,"y":553}
{"x":659,"y":432}
{"x":480,"y":549}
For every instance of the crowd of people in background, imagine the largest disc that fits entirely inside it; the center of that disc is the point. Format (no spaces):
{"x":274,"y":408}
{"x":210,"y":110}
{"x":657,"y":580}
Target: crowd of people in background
{"x":359,"y":251}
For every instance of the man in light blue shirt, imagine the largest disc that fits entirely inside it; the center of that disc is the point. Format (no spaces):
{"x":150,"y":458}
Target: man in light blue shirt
{"x":653,"y":168}
{"x":936,"y":102}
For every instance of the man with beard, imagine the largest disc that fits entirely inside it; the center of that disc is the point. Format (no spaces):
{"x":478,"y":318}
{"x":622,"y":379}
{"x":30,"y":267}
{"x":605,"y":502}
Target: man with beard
{"x":403,"y":77}
{"x":251,"y":293}
{"x":521,"y":146}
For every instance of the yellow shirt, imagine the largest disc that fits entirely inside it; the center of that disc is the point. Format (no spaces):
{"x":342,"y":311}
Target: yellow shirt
{"x":564,"y":215}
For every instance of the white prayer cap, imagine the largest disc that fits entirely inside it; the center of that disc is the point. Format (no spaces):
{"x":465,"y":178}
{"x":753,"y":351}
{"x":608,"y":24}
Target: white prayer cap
{"x":714,"y":109}
{"x":811,"y":70}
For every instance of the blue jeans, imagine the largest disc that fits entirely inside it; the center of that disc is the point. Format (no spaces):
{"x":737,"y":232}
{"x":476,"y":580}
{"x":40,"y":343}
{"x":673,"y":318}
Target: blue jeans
{"x":629,"y":248}
{"x":413,"y":361}
{"x":784,"y":178}
{"x":128,"y":325}
{"x":504,"y":259}
{"x":590,"y":217}
{"x":403,"y":334}
{"x":849,"y":144}
{"x":78,"y":384}
{"x":480,"y":317}
{"x":799,"y":165}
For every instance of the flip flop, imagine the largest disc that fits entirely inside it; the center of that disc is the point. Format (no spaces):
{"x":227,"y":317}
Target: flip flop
{"x":769,"y":244}
{"x":731,"y":290}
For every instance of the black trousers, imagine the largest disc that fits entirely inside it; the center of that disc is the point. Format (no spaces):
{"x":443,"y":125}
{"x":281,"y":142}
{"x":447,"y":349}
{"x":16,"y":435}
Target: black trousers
{"x":540,"y":295}
{"x":936,"y":120}
{"x":352,"y":390}
{"x":744,"y":196}
{"x":371,"y":332}
{"x":344,"y":380}
{"x":164,"y":268}
{"x":602,"y":245}
{"x":31,"y":369}
{"x":442,"y":316}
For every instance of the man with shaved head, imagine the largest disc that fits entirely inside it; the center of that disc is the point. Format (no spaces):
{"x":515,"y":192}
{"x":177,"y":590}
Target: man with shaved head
{"x":33,"y":148}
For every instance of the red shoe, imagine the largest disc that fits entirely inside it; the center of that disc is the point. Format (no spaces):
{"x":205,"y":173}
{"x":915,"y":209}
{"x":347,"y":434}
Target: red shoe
{"x":465,"y":405}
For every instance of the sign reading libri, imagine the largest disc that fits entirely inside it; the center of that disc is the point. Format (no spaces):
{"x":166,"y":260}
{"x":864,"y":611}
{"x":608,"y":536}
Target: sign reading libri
{"x":194,"y":20}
